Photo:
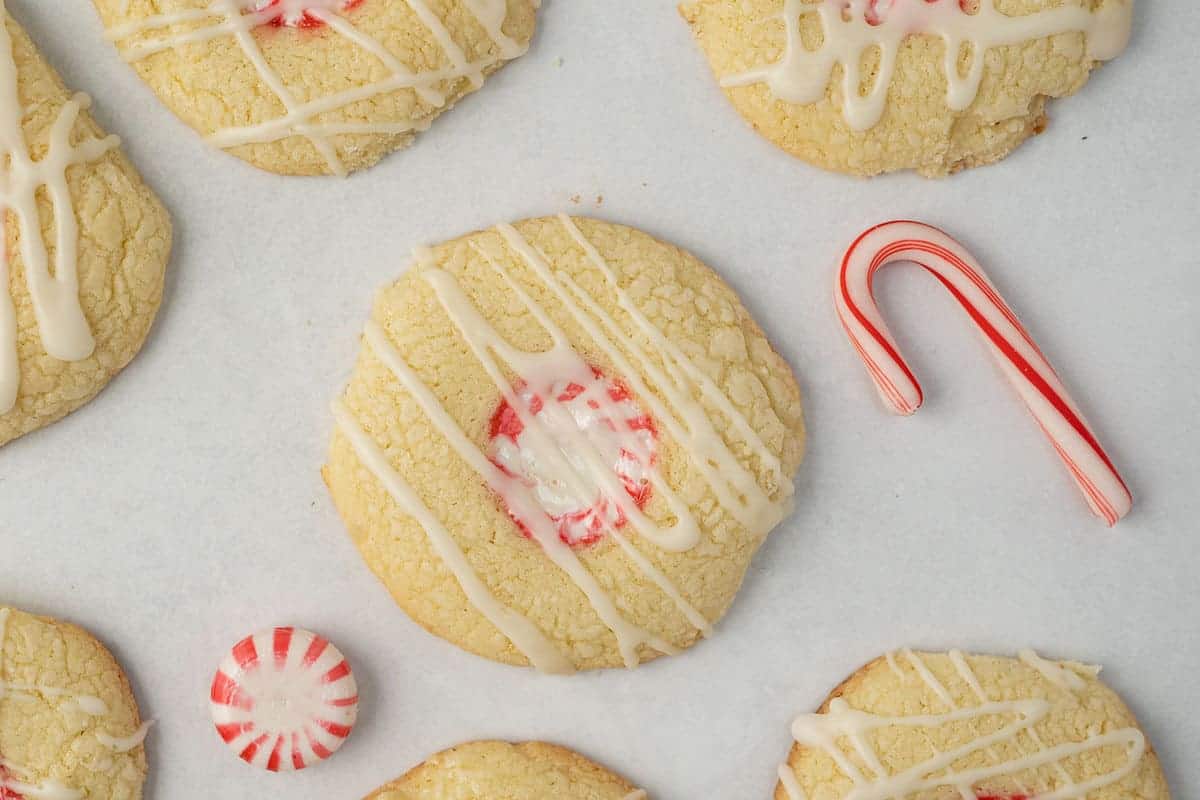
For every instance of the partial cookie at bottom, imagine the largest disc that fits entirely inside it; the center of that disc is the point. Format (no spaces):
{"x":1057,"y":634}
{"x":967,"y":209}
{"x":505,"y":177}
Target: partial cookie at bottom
{"x":492,"y":770}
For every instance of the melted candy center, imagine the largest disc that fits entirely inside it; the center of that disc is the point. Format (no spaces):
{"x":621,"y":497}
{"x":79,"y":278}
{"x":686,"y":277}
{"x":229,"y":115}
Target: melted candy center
{"x":298,"y":13}
{"x":594,"y":414}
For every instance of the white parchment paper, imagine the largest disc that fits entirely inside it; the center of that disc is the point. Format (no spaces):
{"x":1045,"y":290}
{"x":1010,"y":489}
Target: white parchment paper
{"x":183,"y":508}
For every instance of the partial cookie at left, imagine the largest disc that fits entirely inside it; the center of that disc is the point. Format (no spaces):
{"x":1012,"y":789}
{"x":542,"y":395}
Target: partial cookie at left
{"x":86,"y":246}
{"x":69,"y":725}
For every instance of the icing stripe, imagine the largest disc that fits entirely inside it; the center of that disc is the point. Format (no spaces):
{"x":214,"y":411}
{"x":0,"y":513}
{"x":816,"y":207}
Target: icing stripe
{"x":64,"y":330}
{"x":852,"y":28}
{"x":238,"y":18}
{"x":519,"y":630}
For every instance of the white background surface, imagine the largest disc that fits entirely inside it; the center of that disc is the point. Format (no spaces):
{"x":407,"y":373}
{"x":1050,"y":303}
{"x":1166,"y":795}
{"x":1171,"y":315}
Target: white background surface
{"x":183,"y":508}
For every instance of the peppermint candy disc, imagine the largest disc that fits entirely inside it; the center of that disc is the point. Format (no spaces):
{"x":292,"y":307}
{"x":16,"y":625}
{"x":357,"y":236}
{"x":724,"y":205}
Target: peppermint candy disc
{"x":284,"y":699}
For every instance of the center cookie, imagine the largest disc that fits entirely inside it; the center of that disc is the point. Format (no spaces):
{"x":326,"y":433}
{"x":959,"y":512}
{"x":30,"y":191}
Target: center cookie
{"x":563,"y":443}
{"x":308,"y":87}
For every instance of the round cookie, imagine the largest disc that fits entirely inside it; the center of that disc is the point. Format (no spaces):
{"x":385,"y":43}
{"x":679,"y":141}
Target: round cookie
{"x":563,"y":443}
{"x":503,"y":771}
{"x":863,"y":86}
{"x":942,"y":726}
{"x":311,"y":87}
{"x":86,"y":241}
{"x":69,"y":726}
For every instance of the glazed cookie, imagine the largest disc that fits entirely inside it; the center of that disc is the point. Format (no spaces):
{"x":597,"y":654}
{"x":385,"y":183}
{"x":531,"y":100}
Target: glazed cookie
{"x":926,"y":726}
{"x":310,"y":87}
{"x":503,"y":771}
{"x":871,"y":86}
{"x":563,"y":443}
{"x":69,"y":726}
{"x":86,"y":246}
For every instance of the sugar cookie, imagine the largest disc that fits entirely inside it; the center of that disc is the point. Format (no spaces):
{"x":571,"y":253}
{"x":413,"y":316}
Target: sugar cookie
{"x":310,"y":87}
{"x":563,"y":443}
{"x":69,"y":726}
{"x":926,"y":726}
{"x":503,"y":771}
{"x":86,"y":246}
{"x":871,"y":86}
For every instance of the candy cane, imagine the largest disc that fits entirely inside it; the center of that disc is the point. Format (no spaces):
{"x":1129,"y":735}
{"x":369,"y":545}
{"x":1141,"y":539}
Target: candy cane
{"x":1019,"y":358}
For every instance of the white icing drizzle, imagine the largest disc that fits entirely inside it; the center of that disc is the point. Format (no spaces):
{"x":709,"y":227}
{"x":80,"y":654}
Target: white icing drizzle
{"x":802,"y":75}
{"x":16,"y":777}
{"x":825,"y":732}
{"x":787,"y":779}
{"x":123,"y":744}
{"x":1057,"y":674}
{"x":55,"y":296}
{"x":519,"y":630}
{"x":735,"y":486}
{"x":239,"y":18}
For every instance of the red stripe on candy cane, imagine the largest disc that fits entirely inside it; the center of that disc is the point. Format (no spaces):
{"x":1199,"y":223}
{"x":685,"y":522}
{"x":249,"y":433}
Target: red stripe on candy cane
{"x":1021,"y":359}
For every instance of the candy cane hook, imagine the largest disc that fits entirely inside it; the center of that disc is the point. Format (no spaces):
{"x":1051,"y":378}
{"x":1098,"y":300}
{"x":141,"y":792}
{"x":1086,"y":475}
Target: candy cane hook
{"x":1011,"y":345}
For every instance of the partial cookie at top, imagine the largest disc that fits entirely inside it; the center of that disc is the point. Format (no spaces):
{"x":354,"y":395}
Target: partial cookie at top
{"x":310,"y":87}
{"x":87,"y":245}
{"x":865,"y":86}
{"x":69,"y":726}
{"x":563,"y":443}
{"x":932,"y":726}
{"x":503,"y":771}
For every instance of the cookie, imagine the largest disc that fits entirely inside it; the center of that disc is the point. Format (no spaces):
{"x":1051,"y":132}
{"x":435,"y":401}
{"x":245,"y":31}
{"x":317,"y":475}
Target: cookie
{"x":936,"y":726}
{"x":870,"y":86}
{"x":562,"y":444}
{"x":311,"y":87}
{"x":86,"y":246}
{"x":69,"y":726}
{"x":503,"y":771}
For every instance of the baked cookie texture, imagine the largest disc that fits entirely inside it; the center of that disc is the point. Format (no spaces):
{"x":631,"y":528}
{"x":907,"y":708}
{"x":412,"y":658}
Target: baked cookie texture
{"x":997,"y":714}
{"x":69,"y":725}
{"x":918,"y":130}
{"x":120,"y":258}
{"x":312,"y":87}
{"x":662,"y":331}
{"x":503,"y":771}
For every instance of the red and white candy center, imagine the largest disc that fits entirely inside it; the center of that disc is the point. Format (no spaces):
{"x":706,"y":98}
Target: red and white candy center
{"x":284,"y":699}
{"x":571,"y":416}
{"x":298,"y":13}
{"x":876,"y":11}
{"x":7,"y":792}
